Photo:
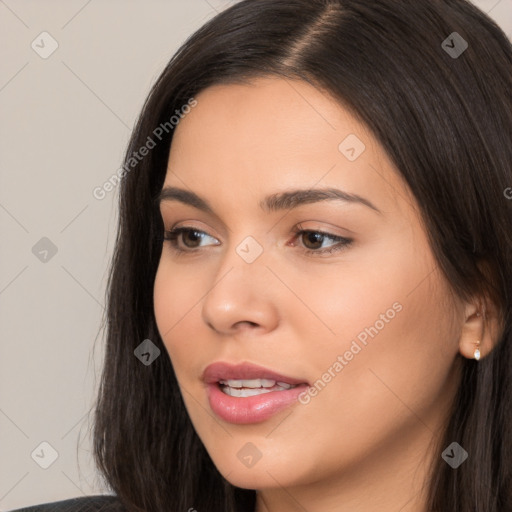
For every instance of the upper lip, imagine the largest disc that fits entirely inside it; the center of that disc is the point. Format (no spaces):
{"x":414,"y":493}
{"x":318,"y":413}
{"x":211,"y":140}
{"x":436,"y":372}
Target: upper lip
{"x":218,"y":371}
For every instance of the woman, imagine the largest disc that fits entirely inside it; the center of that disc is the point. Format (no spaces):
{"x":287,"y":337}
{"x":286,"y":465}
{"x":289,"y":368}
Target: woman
{"x":309,"y":303}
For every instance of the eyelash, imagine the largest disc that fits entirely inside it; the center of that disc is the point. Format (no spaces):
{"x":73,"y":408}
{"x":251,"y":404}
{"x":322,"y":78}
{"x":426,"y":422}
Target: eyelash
{"x":173,"y":235}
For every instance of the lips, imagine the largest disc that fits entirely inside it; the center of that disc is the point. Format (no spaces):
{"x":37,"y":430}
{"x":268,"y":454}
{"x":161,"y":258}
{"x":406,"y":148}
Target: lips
{"x":246,"y":371}
{"x":246,"y":393}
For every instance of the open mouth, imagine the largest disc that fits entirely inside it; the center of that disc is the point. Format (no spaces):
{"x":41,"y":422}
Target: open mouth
{"x":252,"y":387}
{"x":247,"y":393}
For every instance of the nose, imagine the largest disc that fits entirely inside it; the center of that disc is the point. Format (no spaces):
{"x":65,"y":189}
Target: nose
{"x":241,"y":297}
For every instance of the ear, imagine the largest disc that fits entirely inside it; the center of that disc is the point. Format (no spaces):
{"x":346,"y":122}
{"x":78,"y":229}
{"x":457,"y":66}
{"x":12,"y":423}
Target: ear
{"x":480,"y":329}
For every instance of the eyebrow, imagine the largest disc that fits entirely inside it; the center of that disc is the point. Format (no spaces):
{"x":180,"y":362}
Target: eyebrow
{"x":272,"y":203}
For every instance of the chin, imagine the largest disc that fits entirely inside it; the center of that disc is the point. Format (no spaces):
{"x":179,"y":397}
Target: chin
{"x":252,"y":478}
{"x":268,"y":471}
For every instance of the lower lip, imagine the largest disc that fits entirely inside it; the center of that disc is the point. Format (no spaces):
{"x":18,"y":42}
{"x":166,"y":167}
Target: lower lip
{"x":251,"y":409}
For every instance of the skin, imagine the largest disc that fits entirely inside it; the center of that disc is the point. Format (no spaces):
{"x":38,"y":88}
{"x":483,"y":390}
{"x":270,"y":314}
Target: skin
{"x":363,"y":441}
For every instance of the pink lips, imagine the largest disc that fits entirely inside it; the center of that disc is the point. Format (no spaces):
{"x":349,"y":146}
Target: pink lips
{"x":251,"y":409}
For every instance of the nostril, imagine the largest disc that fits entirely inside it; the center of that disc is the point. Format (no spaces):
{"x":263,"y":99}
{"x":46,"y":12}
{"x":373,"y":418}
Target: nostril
{"x":244,"y":322}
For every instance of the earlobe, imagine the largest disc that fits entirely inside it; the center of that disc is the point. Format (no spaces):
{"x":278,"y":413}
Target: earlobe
{"x":479,"y":333}
{"x":476,"y":353}
{"x":472,"y":334}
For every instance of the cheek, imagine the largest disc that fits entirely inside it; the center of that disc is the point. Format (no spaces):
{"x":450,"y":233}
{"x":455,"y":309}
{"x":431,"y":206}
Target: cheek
{"x":357,"y":299}
{"x":392,"y":336}
{"x":164,"y":300}
{"x":383,"y":390}
{"x":176,"y":298}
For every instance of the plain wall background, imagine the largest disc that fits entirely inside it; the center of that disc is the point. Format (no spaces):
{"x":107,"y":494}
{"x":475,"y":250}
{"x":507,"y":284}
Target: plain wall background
{"x":65,"y":121}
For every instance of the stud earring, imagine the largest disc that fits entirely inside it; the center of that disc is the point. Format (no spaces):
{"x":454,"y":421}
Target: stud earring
{"x":476,"y":354}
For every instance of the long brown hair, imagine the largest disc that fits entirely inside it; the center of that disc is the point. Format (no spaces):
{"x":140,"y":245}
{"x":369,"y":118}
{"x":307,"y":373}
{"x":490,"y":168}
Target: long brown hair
{"x":444,"y":119}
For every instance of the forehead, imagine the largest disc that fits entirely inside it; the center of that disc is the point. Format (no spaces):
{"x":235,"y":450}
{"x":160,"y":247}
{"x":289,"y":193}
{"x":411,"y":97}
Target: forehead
{"x":268,"y":113}
{"x":274,"y":134}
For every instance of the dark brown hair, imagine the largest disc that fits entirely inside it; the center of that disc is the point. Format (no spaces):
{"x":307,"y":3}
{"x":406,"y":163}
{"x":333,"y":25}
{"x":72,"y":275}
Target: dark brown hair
{"x":445,"y":121}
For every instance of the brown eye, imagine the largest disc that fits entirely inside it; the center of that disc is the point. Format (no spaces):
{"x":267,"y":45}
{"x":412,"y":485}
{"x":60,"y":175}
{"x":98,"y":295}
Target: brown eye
{"x":313,"y":237}
{"x":189,"y":237}
{"x":312,"y":241}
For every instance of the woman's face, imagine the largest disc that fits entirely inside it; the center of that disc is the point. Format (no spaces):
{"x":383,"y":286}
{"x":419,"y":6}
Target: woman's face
{"x":366,"y":319}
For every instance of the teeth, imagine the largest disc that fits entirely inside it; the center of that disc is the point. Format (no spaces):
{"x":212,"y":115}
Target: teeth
{"x":252,"y":383}
{"x":232,"y":383}
{"x":245,"y":388}
{"x":245,"y":392}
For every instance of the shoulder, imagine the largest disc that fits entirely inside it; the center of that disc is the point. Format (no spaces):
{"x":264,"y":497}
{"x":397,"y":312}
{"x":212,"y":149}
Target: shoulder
{"x":100,"y":503}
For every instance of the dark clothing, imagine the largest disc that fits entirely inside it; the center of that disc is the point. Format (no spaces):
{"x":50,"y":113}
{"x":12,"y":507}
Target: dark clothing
{"x":101,"y":503}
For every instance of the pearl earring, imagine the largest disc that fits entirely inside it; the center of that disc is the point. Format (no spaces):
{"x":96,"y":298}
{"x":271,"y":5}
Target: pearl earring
{"x":476,"y":354}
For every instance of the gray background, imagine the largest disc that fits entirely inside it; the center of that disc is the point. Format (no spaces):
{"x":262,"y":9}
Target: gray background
{"x":65,"y":121}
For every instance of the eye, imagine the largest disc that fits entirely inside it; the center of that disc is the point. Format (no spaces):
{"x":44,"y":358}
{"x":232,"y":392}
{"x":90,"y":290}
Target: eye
{"x":313,"y":240}
{"x":193,"y":235}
